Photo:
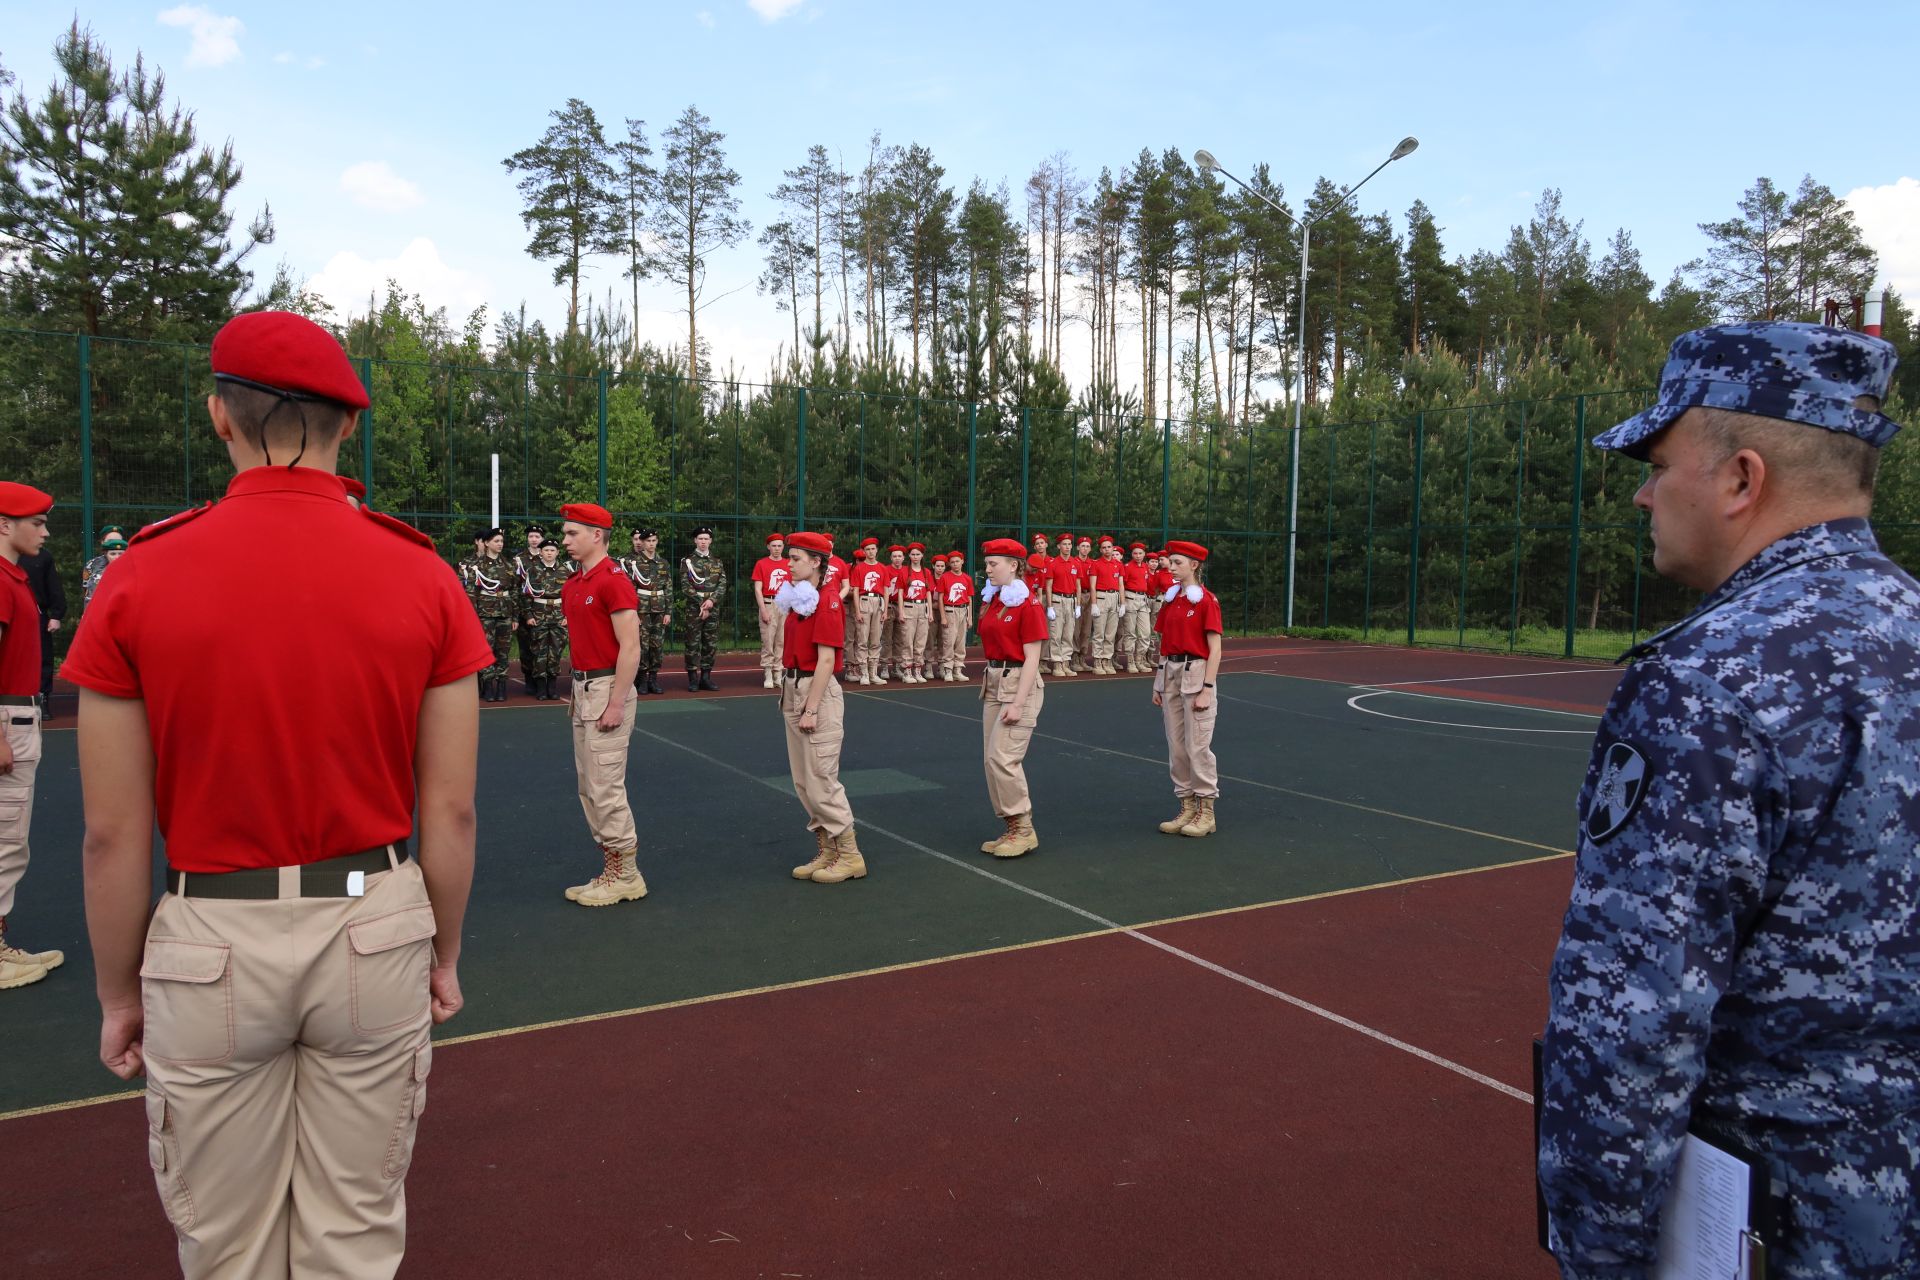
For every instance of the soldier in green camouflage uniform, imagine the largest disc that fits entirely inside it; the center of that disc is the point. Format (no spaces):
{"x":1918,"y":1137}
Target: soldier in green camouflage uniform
{"x":546,"y":624}
{"x":524,"y":563}
{"x":653,"y":583}
{"x":495,"y":591}
{"x":703,"y":579}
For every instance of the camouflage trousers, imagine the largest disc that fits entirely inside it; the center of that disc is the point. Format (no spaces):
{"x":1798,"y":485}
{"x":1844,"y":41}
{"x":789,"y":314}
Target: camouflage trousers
{"x":499,"y":632}
{"x":703,"y":638}
{"x":546,"y":642}
{"x":653,"y":642}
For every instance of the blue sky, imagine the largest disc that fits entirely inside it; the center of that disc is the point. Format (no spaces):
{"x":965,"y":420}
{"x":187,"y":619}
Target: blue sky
{"x":376,"y":131}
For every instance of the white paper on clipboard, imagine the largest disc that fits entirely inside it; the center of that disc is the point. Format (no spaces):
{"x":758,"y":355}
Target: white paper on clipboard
{"x":1703,"y":1226}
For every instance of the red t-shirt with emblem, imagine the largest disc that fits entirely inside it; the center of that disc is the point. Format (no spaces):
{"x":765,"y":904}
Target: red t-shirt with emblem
{"x":1005,"y":630}
{"x":283,"y":730}
{"x":1136,"y":577}
{"x":771,"y":573}
{"x":1183,"y":625}
{"x":802,"y":636}
{"x":836,"y":573}
{"x":1106,"y":575}
{"x":1063,"y":577}
{"x":871,"y":579}
{"x":589,"y":600}
{"x":20,"y":646}
{"x":916,"y":584}
{"x":956,"y":588}
{"x":1160,"y":580}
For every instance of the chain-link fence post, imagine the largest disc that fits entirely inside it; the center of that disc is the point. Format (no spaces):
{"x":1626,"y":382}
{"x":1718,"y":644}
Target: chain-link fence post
{"x":1413,"y":534}
{"x":600,"y":384}
{"x":973,"y":470}
{"x":86,"y":444}
{"x":1573,"y":530}
{"x":366,"y":428}
{"x":1026,"y":475}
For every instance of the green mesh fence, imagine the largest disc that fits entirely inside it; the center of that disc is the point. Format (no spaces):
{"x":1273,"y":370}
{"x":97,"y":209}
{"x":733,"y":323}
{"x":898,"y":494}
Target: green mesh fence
{"x":1484,"y":526}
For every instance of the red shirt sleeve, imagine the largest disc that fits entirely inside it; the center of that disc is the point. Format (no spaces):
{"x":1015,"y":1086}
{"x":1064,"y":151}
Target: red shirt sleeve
{"x":618,"y":593}
{"x":830,"y":622}
{"x":99,"y":659}
{"x":1033,"y":622}
{"x":463,"y":643}
{"x":1210,"y":615}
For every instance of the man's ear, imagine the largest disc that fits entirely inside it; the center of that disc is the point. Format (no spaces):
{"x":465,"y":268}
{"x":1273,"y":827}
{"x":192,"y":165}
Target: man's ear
{"x":1745,"y":482}
{"x":222,"y":420}
{"x":353,"y":422}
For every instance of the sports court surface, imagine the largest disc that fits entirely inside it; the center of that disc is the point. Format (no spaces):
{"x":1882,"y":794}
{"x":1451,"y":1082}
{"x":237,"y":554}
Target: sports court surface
{"x":1297,"y":1048}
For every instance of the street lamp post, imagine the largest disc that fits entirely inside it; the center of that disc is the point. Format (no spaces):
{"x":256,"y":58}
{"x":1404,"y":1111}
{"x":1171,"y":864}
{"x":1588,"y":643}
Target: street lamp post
{"x":1205,"y":160}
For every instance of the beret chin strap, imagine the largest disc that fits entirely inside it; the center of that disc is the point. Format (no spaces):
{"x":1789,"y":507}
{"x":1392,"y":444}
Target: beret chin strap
{"x":282,"y":396}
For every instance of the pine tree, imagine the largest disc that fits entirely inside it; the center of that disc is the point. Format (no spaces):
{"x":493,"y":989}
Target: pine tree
{"x":568,"y":194}
{"x":116,"y":214}
{"x":632,"y":187}
{"x":696,"y":213}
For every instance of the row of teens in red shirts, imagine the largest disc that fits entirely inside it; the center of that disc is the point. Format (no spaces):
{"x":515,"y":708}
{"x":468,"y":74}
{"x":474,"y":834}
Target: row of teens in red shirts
{"x":1013,"y":627}
{"x":910,"y":618}
{"x":1100,"y":608}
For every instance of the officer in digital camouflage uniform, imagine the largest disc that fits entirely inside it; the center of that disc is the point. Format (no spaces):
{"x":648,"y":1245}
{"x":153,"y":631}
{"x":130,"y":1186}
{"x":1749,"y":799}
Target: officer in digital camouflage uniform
{"x":703,"y":580}
{"x":495,"y":591}
{"x":1741,"y":949}
{"x":546,"y":623}
{"x":653,"y":584}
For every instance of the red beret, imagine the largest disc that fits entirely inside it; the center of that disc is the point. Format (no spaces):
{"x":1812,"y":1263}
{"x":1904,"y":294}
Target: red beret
{"x":1085,"y":541}
{"x":896,"y":547}
{"x":1041,"y":537}
{"x":1004,"y":547}
{"x":1105,"y":540}
{"x":917,"y":546}
{"x":869,"y":542}
{"x":955,"y":555}
{"x":591,"y":514}
{"x":280,"y":351}
{"x":22,"y":500}
{"x":1036,"y":561}
{"x":1137,"y":546}
{"x":1191,"y":550}
{"x":818,"y":543}
{"x":354,"y":488}
{"x":776,"y":537}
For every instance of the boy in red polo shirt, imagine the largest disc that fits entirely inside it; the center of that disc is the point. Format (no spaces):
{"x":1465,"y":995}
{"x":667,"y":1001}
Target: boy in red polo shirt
{"x":1136,"y":619}
{"x":1106,"y":608}
{"x":956,"y":608}
{"x":603,"y":640}
{"x":769,"y":575}
{"x":23,"y":531}
{"x":1062,"y":598}
{"x":1190,"y":630}
{"x":872,"y":588}
{"x":281,"y":1000}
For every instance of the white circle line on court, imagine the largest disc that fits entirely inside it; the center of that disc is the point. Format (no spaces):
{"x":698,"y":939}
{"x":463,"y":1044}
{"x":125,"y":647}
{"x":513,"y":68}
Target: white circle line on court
{"x":1359,"y":698}
{"x":1255,"y":984}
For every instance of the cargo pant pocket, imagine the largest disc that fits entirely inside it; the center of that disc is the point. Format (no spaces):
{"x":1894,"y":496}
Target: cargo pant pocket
{"x":406,"y":1122}
{"x":163,"y":1154}
{"x":387,"y":971}
{"x":186,"y":996}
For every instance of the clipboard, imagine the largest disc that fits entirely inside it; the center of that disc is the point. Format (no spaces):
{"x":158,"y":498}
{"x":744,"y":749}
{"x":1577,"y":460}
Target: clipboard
{"x":1757,"y":1230}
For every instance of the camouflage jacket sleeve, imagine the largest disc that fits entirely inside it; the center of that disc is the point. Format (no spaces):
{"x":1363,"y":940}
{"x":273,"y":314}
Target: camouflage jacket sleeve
{"x":1684,"y":801}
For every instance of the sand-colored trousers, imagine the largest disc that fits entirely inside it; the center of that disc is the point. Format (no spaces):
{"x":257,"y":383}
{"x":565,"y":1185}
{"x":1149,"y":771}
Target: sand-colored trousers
{"x":953,"y":636}
{"x":913,"y":631}
{"x":814,"y":758}
{"x":1060,"y":630}
{"x":600,"y":763}
{"x":936,"y":641}
{"x":773,"y":636}
{"x":287,"y":1058}
{"x":1189,"y":732}
{"x":1107,"y":625}
{"x":16,"y":799}
{"x":1006,"y":744}
{"x":870,"y":620}
{"x":1136,"y":627}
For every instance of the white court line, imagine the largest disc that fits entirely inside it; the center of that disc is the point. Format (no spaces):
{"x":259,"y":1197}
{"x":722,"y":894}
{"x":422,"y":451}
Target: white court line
{"x":1476,"y":702}
{"x":1303,"y":1005}
{"x":1515,"y":675}
{"x":1359,"y":698}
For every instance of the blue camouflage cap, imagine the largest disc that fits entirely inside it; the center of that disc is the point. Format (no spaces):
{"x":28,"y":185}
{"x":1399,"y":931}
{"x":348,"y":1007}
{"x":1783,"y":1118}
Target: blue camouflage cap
{"x":1808,"y":373}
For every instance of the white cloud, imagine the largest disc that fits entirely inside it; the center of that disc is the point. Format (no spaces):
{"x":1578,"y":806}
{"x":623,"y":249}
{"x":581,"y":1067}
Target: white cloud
{"x":216,"y":39}
{"x":311,"y":62}
{"x":704,"y":18}
{"x":349,"y":279}
{"x":283,"y":58}
{"x":1889,"y":218}
{"x":773,"y":10}
{"x":374,"y":185}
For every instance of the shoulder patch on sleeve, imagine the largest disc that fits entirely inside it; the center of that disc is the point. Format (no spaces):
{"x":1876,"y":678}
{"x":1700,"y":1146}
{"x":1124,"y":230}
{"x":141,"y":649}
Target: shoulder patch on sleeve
{"x":171,"y":523}
{"x":1624,"y":778}
{"x":401,"y":527}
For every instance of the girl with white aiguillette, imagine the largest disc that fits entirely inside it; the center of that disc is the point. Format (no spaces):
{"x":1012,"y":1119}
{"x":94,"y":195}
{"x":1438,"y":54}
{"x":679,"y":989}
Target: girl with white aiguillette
{"x":1013,"y":626}
{"x":1189,"y":629}
{"x":813,"y":645}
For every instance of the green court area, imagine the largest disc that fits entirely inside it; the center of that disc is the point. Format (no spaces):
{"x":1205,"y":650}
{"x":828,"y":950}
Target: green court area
{"x":1332,"y":780}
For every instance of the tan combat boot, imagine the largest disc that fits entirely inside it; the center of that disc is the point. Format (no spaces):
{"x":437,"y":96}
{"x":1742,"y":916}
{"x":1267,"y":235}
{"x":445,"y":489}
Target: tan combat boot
{"x":620,"y":882}
{"x":822,"y":855}
{"x":609,"y":864}
{"x":23,"y":968}
{"x":1020,"y":837}
{"x":847,"y":864}
{"x":1202,"y":822}
{"x":1012,"y":824}
{"x":1189,"y":806}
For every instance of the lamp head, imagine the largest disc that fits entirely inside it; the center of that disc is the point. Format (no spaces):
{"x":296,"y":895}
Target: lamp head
{"x":1205,"y":160}
{"x":1407,"y":147}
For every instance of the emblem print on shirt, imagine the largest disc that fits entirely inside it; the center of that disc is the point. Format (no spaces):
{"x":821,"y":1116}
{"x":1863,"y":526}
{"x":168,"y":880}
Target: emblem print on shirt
{"x":1623,"y":784}
{"x":589,"y":599}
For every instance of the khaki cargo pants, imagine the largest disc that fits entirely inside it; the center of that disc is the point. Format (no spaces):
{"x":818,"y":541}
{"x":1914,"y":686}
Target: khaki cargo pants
{"x":1190,"y":760}
{"x":814,"y":758}
{"x":870,"y":622}
{"x":1106,"y":626}
{"x":913,"y":631}
{"x":1006,"y":745}
{"x":953,"y":637}
{"x":1060,"y":631}
{"x":600,"y":763}
{"x":287,"y":1057}
{"x":22,"y":726}
{"x":773,"y":635}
